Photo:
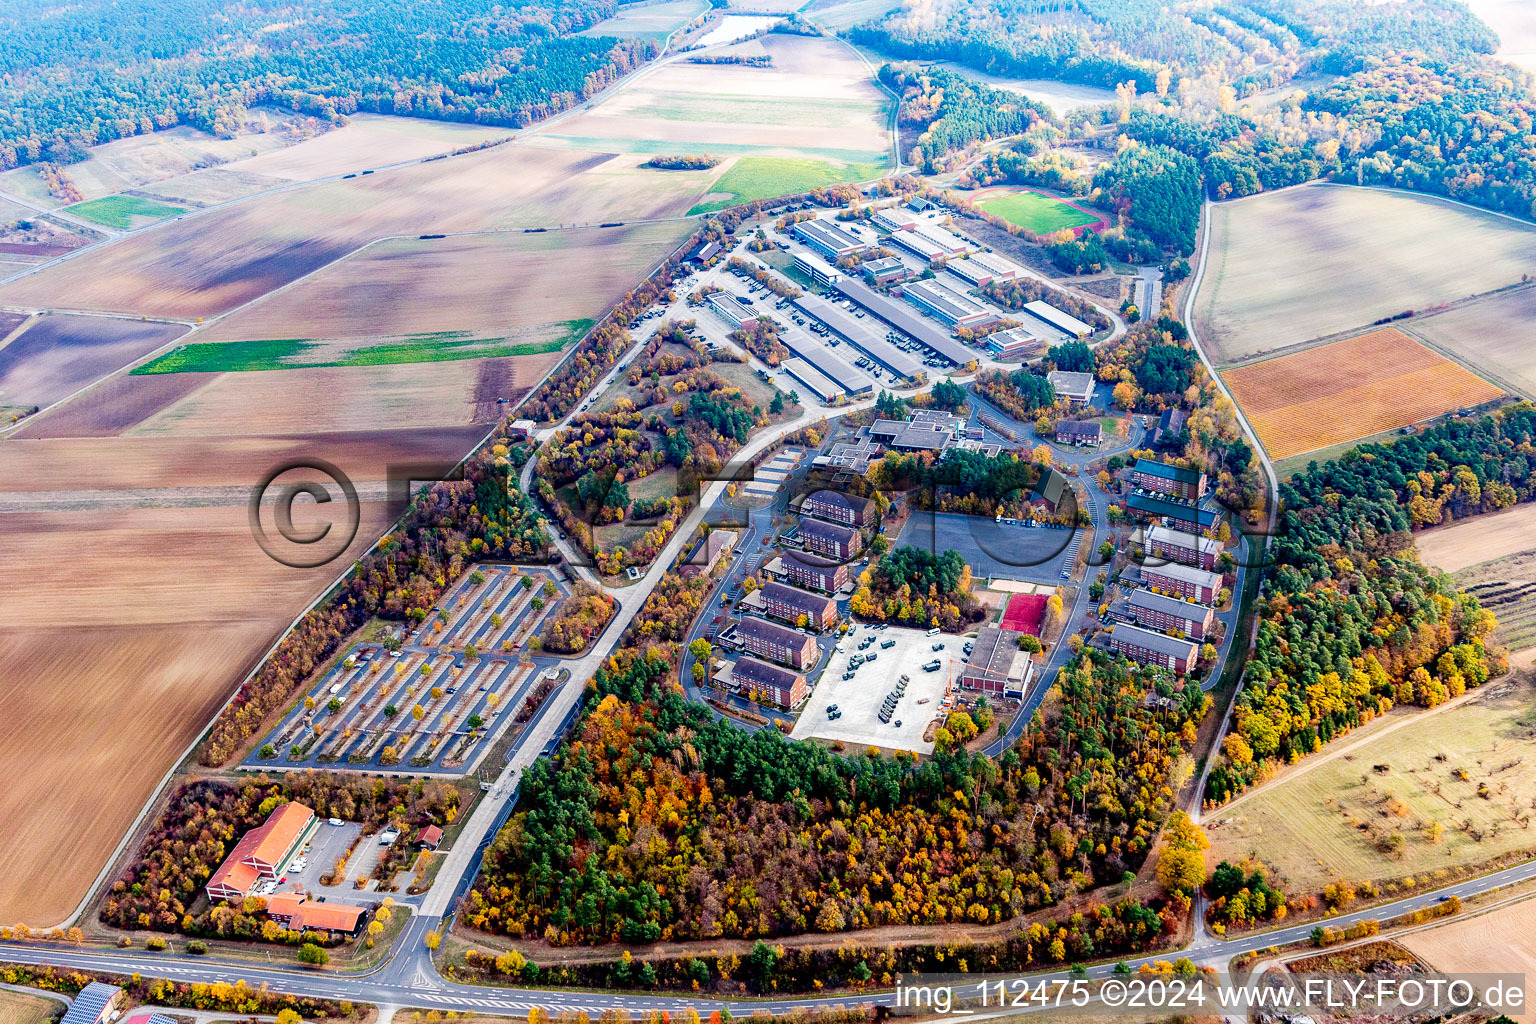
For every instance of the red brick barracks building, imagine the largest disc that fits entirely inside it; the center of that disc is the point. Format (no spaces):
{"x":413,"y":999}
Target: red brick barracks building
{"x":814,"y":573}
{"x":830,"y":539}
{"x":1174,"y":481}
{"x":1181,"y":546}
{"x":1161,"y":612}
{"x":788,"y":605}
{"x":1183,"y":580}
{"x":777,"y":643}
{"x":770,"y":684}
{"x":1151,"y":648}
{"x":836,"y":507}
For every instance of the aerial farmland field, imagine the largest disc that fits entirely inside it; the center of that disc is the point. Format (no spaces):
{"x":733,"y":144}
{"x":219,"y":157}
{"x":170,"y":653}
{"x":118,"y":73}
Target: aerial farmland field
{"x":1307,"y":262}
{"x":1491,"y":334}
{"x":123,"y":212}
{"x":57,"y":354}
{"x":649,"y":20}
{"x":1335,"y":818}
{"x":1501,"y":941}
{"x":1350,"y":389}
{"x":149,"y":595}
{"x":207,"y":264}
{"x":511,"y":286}
{"x":810,"y":118}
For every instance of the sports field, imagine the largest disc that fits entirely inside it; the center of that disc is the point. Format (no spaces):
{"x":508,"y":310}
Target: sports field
{"x":1350,"y":389}
{"x":123,"y":212}
{"x":1336,"y":818}
{"x":1033,"y":211}
{"x":1302,"y":263}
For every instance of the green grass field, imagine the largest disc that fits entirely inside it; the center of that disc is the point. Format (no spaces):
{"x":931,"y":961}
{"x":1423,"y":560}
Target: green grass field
{"x":296,"y":353}
{"x":1036,"y":213}
{"x":764,"y":177}
{"x":119,"y":211}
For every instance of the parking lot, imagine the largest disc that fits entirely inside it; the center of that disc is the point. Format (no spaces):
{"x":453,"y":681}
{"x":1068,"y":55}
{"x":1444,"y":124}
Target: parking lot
{"x":1013,"y":551}
{"x":434,"y":706}
{"x":859,"y":699}
{"x":327,"y":843}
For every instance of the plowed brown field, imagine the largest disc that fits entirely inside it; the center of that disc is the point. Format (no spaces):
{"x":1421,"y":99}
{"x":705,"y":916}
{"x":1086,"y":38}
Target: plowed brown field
{"x":1350,"y":389}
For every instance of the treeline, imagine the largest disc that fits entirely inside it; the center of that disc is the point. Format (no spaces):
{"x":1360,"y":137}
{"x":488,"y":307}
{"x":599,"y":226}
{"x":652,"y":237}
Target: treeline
{"x":579,"y":619}
{"x":455,"y":523}
{"x":660,"y":822}
{"x":97,"y":71}
{"x":916,"y":587}
{"x":1158,"y":189}
{"x":1355,"y":623}
{"x":953,"y":112}
{"x":224,"y":997}
{"x":202,"y":822}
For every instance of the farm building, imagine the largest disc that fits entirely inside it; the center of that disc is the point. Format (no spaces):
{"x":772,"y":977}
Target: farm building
{"x":1064,"y":322}
{"x":921,"y":205}
{"x":1076,"y":388}
{"x":1162,"y":478}
{"x":948,"y":305}
{"x":1184,"y":580}
{"x":1013,"y":343}
{"x":767,"y":684}
{"x":297,"y":912}
{"x":982,"y":268}
{"x":1083,"y":433}
{"x":777,"y":643}
{"x":996,"y":665}
{"x":263,"y":852}
{"x":816,"y":573}
{"x":831,"y":239}
{"x":885,"y":270}
{"x":820,"y":384}
{"x":1151,"y":648}
{"x":1182,"y":546}
{"x":524,"y":428}
{"x":895,"y":219}
{"x":92,"y":1004}
{"x":705,"y":252}
{"x":830,"y":540}
{"x":1170,"y":426}
{"x":837,"y":507}
{"x":1164,"y":613}
{"x":818,"y":270}
{"x":1181,"y":516}
{"x":734,"y":310}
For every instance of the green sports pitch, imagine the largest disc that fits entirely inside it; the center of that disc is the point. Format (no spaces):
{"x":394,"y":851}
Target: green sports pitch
{"x":1036,"y":213}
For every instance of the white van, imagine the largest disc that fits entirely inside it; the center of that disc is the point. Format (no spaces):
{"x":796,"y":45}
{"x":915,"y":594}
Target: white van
{"x":934,"y":631}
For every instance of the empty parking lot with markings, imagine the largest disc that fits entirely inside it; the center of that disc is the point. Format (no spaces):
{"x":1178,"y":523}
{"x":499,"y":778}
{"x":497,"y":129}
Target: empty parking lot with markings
{"x":435,"y":706}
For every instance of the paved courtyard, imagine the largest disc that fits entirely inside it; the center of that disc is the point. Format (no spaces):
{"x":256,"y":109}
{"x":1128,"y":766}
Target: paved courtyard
{"x":860,"y":698}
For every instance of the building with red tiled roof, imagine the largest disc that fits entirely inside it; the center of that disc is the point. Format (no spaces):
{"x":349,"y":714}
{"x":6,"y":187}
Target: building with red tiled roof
{"x":262,"y":852}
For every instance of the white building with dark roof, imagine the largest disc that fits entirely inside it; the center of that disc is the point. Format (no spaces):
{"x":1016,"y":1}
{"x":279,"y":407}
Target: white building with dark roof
{"x":1076,"y":388}
{"x":831,"y":239}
